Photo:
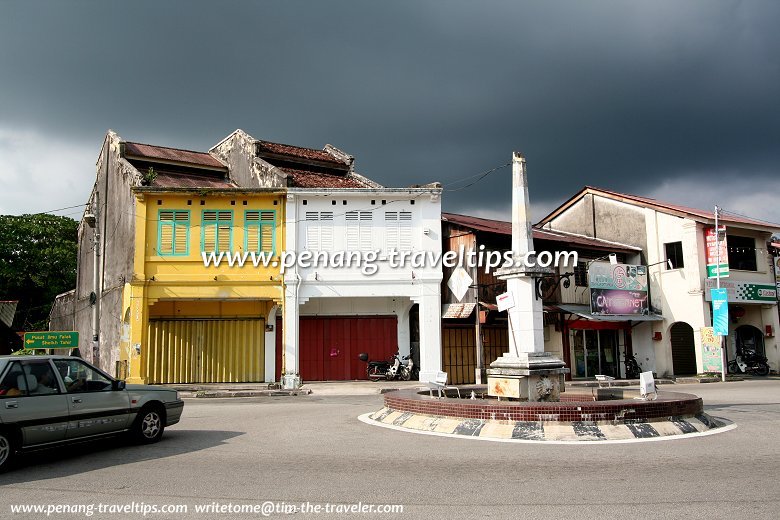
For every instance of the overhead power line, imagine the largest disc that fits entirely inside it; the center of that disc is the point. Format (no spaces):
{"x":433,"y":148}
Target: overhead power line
{"x":479,"y":177}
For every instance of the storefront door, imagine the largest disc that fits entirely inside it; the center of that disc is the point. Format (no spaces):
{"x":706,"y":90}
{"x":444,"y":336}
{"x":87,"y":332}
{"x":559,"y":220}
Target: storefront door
{"x":594,"y":352}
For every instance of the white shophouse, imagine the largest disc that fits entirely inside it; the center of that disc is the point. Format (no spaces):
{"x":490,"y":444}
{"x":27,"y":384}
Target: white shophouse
{"x":680,"y":293}
{"x":330,"y":311}
{"x":334,"y":312}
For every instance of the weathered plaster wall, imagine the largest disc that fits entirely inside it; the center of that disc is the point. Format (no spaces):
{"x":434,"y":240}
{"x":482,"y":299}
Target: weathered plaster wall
{"x":238,"y":151}
{"x":61,"y":315}
{"x":619,"y":222}
{"x":576,"y":219}
{"x":116,"y":225}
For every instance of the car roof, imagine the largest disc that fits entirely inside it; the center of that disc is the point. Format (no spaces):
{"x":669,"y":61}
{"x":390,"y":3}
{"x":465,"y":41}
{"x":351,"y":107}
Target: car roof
{"x":39,"y":358}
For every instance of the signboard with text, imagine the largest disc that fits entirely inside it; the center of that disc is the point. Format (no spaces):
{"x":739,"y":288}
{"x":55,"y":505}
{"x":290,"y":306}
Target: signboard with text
{"x":51,"y":339}
{"x":617,"y":289}
{"x":744,"y":292}
{"x":505,"y":301}
{"x":710,"y":350}
{"x":711,"y":246}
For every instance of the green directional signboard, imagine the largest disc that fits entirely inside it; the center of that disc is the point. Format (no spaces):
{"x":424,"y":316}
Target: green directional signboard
{"x":51,"y":339}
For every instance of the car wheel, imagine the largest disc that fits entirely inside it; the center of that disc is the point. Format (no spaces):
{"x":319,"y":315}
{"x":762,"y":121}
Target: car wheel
{"x":149,"y":425}
{"x":7,"y":449}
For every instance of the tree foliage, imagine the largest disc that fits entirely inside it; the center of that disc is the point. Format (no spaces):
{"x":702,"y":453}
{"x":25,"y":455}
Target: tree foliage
{"x":38,"y":256}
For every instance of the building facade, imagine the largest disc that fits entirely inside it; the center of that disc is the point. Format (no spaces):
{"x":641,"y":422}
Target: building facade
{"x":475,"y":333}
{"x":335,"y":311}
{"x":672,"y":239}
{"x":182,"y":275}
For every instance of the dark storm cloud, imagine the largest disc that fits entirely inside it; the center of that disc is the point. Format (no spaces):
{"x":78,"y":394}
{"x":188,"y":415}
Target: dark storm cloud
{"x":625,"y":95}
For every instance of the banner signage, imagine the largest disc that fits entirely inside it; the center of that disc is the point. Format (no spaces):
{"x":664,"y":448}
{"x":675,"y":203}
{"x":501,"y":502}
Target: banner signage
{"x":720,"y":311}
{"x":617,"y":289}
{"x":711,"y":247}
{"x":710,"y":350}
{"x":744,"y":292}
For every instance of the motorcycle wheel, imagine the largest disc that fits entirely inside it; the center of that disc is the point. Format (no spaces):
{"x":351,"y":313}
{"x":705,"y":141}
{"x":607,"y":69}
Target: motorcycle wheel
{"x":760,"y":369}
{"x":406,"y":374}
{"x":374,"y":374}
{"x":733,"y":368}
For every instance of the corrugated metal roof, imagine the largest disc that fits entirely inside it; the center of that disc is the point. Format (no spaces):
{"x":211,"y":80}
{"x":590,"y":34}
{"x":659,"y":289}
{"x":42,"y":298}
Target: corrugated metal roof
{"x":184,"y":180}
{"x":298,"y":152}
{"x":148,"y":151}
{"x":457,"y":310}
{"x":584,"y":312}
{"x":309,"y":179}
{"x":502,"y":227}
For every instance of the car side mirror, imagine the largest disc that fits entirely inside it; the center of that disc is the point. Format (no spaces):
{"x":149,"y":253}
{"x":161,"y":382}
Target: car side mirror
{"x":118,"y":385}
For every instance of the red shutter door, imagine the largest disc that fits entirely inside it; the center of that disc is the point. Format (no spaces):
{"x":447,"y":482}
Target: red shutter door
{"x":329,"y":346}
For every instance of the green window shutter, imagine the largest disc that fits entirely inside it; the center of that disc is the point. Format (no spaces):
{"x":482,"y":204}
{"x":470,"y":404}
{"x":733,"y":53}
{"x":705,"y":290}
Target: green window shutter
{"x":209,"y":224}
{"x":181,"y":231}
{"x":217,"y":230}
{"x":260,"y":231}
{"x":173,"y":232}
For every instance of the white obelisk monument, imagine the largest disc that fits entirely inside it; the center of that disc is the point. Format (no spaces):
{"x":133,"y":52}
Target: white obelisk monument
{"x":526,"y":372}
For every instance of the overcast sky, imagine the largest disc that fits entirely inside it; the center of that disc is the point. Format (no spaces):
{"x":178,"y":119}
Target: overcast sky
{"x":667,"y":99}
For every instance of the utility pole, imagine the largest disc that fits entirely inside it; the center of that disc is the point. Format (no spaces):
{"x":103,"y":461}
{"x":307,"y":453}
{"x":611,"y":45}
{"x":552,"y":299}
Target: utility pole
{"x":717,"y":284}
{"x":96,"y":285}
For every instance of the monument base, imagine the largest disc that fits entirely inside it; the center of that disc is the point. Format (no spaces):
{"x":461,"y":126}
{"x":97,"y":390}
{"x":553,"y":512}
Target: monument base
{"x":531,"y":376}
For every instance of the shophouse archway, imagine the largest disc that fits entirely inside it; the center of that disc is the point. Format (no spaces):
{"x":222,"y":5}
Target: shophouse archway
{"x":750,"y":337}
{"x":683,"y":349}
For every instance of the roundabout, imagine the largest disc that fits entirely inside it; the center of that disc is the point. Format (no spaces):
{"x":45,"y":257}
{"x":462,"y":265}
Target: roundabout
{"x":583,"y":416}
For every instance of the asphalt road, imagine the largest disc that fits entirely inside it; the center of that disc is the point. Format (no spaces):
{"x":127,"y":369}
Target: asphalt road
{"x":294,"y":450}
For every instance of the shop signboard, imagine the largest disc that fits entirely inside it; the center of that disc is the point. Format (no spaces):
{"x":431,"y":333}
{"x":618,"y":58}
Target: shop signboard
{"x":710,"y":350}
{"x":617,"y":289}
{"x":720,"y":311}
{"x":711,"y":246}
{"x":744,"y":292}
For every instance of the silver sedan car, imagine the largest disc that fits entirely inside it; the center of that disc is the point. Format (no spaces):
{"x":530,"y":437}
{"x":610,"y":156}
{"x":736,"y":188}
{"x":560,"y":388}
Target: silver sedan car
{"x":47,"y":400}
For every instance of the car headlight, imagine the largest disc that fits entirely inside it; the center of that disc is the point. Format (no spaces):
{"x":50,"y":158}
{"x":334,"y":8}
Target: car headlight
{"x":177,"y":395}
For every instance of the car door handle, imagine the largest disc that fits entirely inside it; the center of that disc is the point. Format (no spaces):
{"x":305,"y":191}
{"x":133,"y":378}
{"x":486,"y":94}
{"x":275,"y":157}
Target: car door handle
{"x":75,"y":400}
{"x":12,"y":404}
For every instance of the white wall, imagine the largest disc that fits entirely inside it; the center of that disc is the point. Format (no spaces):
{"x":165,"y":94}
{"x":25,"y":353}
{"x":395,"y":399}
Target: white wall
{"x":680,"y":293}
{"x":348,"y":291}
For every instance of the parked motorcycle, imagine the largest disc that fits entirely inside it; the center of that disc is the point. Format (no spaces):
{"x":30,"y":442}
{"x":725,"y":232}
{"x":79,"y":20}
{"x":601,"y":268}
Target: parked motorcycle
{"x":632,"y":367}
{"x":749,"y":361}
{"x":392,"y":369}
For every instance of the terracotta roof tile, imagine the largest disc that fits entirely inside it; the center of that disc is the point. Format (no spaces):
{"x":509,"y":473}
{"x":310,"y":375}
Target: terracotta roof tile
{"x":309,"y":179}
{"x":298,"y":152}
{"x":147,"y":151}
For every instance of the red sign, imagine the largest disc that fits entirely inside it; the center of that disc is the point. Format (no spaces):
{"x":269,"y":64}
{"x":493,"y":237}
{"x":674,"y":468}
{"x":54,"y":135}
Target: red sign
{"x":711,"y":247}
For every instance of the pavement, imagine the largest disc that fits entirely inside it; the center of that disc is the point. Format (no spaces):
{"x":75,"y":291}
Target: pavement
{"x":334,"y":388}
